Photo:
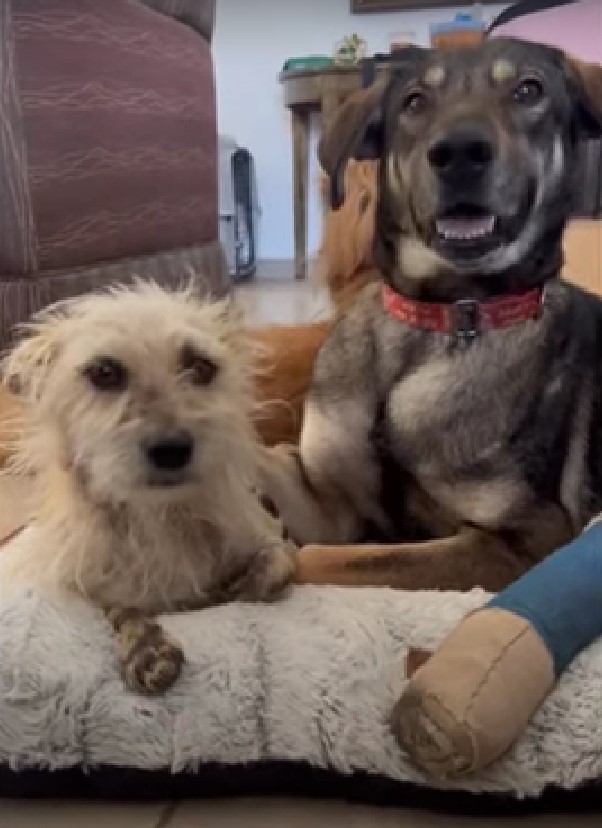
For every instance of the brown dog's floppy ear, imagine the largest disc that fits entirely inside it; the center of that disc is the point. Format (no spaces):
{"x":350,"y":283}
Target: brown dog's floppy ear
{"x":355,"y":132}
{"x":587,"y":78}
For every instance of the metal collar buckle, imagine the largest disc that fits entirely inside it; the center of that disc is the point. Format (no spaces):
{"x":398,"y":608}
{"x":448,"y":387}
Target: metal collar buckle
{"x":465,"y":323}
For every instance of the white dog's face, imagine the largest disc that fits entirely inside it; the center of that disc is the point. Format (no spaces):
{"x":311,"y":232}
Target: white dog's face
{"x":137,"y":392}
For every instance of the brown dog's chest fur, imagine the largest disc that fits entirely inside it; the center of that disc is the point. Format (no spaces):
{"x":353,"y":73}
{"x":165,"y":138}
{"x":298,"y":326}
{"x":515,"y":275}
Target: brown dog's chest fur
{"x":482,"y":431}
{"x":427,"y":466}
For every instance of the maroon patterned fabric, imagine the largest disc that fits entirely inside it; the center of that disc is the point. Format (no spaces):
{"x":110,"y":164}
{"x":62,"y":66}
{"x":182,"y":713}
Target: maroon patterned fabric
{"x":107,"y":137}
{"x":17,"y":233}
{"x":200,"y":14}
{"x":20,"y":297}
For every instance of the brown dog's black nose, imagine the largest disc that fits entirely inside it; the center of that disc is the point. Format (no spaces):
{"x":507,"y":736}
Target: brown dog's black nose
{"x":171,"y":452}
{"x":465,"y":152}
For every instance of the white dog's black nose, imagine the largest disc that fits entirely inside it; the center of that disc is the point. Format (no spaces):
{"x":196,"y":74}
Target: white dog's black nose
{"x":171,"y":452}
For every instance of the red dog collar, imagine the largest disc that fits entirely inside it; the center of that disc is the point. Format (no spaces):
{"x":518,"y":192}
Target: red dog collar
{"x":466,"y":318}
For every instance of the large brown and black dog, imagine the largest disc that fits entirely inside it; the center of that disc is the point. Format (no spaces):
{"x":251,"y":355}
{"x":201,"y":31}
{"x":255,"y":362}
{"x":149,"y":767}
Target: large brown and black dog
{"x":455,"y":414}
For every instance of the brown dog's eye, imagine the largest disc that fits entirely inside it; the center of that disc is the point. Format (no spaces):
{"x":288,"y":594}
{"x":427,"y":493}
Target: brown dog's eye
{"x":106,"y":374}
{"x":200,"y":369}
{"x":415,"y":103}
{"x":528,"y":92}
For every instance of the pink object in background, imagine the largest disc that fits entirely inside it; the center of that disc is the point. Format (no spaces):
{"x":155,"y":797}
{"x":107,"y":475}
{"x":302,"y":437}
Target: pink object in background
{"x":574,"y":27}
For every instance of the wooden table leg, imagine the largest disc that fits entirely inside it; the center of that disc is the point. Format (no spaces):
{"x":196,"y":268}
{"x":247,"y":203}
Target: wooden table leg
{"x":301,"y":126}
{"x":331,"y":101}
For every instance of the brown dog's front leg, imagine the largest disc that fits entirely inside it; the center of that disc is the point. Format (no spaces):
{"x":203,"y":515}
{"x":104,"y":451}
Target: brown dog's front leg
{"x":469,"y":559}
{"x":150,"y":662}
{"x":266,"y":576}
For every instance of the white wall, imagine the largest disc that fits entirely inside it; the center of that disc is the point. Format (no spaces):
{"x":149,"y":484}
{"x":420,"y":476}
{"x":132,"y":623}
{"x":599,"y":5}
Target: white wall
{"x":253,"y":38}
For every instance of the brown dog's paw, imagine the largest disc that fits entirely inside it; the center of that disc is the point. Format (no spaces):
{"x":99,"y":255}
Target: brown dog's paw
{"x":150,"y":662}
{"x":268,"y":575}
{"x":274,"y":459}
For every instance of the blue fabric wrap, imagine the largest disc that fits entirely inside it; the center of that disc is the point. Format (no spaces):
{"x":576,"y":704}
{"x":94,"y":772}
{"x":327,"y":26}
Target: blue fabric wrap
{"x":562,"y":597}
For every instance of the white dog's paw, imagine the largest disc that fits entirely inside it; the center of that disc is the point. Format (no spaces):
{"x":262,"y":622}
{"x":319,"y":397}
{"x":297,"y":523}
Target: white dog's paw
{"x":268,"y":574}
{"x":150,"y":662}
{"x":153,"y":667}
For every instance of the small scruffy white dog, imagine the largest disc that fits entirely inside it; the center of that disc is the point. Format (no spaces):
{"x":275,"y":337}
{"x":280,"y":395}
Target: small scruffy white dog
{"x":143,"y":461}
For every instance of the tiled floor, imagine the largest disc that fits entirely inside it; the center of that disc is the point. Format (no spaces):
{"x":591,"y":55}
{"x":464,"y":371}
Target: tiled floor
{"x":302,"y":814}
{"x":256,"y":813}
{"x":264,"y":301}
{"x":282,"y":301}
{"x":67,"y":815}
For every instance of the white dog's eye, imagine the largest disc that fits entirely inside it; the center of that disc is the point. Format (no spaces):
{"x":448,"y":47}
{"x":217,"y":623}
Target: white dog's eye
{"x":106,"y":374}
{"x":200,"y":369}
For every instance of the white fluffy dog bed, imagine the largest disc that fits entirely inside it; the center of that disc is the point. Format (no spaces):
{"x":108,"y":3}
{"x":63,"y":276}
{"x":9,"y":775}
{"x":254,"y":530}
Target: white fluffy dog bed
{"x":307,"y":683}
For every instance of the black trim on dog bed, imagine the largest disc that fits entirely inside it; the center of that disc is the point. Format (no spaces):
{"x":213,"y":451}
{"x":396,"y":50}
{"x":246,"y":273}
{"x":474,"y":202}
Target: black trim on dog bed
{"x":280,"y":779}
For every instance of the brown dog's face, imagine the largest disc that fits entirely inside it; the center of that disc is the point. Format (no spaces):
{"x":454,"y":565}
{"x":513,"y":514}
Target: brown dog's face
{"x":477,"y":150}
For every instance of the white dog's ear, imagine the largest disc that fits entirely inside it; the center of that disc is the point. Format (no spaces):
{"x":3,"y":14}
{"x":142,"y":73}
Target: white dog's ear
{"x":27,"y":367}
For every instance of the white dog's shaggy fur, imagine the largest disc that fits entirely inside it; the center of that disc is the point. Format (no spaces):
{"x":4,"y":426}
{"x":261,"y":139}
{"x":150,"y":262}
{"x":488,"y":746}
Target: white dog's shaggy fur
{"x":106,"y":379}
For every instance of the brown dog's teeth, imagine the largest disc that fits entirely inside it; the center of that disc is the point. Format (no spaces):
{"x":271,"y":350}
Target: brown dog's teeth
{"x":465,"y":228}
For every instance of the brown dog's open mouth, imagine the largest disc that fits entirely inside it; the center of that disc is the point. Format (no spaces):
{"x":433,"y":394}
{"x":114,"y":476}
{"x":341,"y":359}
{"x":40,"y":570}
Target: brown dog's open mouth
{"x":467,"y":232}
{"x":460,"y":228}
